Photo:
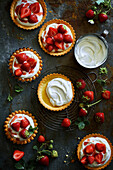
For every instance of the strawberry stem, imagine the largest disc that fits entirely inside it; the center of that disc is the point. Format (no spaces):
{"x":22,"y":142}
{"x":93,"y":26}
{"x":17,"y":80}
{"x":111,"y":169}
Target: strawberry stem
{"x":89,"y":105}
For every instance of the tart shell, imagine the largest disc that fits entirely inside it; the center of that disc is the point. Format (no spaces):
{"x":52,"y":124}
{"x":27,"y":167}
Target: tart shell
{"x":58,"y":21}
{"x":42,"y":96}
{"x":11,"y":64}
{"x":28,"y":140}
{"x":95,"y":135}
{"x":12,"y":11}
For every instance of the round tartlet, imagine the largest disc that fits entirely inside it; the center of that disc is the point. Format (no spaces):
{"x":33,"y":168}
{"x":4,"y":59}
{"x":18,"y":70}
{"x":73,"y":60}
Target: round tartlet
{"x":99,"y":136}
{"x":31,"y":26}
{"x":12,"y":60}
{"x":8,"y":133}
{"x":42,"y":95}
{"x":56,"y":21}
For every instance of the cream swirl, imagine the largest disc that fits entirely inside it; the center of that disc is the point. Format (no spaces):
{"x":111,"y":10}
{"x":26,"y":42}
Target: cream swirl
{"x":18,"y":118}
{"x":59,"y":91}
{"x":27,"y":74}
{"x":94,"y":140}
{"x":90,"y":51}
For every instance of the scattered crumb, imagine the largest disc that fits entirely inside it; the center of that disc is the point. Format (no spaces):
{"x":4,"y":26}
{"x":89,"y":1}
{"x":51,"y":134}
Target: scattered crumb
{"x":20,"y":38}
{"x":72,"y":161}
{"x":78,"y":138}
{"x":64,"y":161}
{"x":67,"y":155}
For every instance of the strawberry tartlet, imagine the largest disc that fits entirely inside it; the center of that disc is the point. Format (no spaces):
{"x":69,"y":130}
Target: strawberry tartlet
{"x":20,"y":127}
{"x":95,"y":152}
{"x":57,"y":37}
{"x":25,"y":64}
{"x":28,"y":14}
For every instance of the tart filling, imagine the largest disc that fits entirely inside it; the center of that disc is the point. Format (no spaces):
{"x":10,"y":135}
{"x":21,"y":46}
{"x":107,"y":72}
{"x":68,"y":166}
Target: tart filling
{"x":57,"y":37}
{"x":25,"y":64}
{"x":19,"y":123}
{"x":59,"y":91}
{"x":95,"y":152}
{"x":28,"y":12}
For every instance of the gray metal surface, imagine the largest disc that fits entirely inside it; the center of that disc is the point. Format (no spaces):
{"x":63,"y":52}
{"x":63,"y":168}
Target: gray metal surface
{"x":12,"y":38}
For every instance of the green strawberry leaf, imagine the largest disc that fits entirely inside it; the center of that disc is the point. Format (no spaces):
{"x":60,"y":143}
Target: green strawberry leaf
{"x":76,"y":122}
{"x":18,"y":165}
{"x":64,"y":27}
{"x":9,"y":98}
{"x":31,"y":129}
{"x":103,"y":70}
{"x":81,"y":125}
{"x":99,"y":2}
{"x":86,"y":122}
{"x":79,"y":119}
{"x":18,"y":88}
{"x":35,"y":147}
{"x":101,"y":82}
{"x":47,"y":152}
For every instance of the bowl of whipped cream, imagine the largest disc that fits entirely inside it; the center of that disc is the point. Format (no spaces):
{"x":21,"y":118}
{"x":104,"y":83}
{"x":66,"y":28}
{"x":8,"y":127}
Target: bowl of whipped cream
{"x":91,"y":50}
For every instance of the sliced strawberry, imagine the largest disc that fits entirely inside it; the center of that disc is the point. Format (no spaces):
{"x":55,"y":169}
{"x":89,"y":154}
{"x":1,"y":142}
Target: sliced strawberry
{"x":21,"y":57}
{"x":24,"y":123}
{"x":67,"y":38}
{"x":16,"y":126}
{"x":24,"y":133}
{"x":91,"y":159}
{"x":52,"y":31}
{"x":62,"y":29}
{"x":49,"y":40}
{"x":32,"y":18}
{"x":35,"y":7}
{"x":89,"y":149}
{"x":59,"y":45}
{"x":84,"y":160}
{"x":100,"y":147}
{"x":50,"y":48}
{"x":18,"y":8}
{"x":98,"y":157}
{"x":58,"y":37}
{"x":17,"y":155}
{"x":26,"y":67}
{"x":25,"y":12}
{"x":18,"y":72}
{"x":32,"y":62}
{"x":26,"y":5}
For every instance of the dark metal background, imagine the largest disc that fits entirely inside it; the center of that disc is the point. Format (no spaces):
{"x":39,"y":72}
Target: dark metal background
{"x":12,"y":38}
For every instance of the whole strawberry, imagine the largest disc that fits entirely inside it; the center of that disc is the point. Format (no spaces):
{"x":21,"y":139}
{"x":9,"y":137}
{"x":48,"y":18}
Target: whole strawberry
{"x":88,"y":96}
{"x":41,"y":139}
{"x":90,"y":14}
{"x":102,"y":17}
{"x":44,"y":161}
{"x":66,"y":122}
{"x":24,"y":133}
{"x":99,"y":117}
{"x":106,"y":94}
{"x":82,"y":112}
{"x":80,"y":84}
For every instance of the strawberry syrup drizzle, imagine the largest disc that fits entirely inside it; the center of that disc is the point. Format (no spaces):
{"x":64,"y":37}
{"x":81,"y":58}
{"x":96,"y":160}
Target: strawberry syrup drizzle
{"x":17,"y":64}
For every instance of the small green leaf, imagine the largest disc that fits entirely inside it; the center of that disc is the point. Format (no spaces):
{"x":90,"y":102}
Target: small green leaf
{"x":64,"y":27}
{"x":81,"y":125}
{"x":103,"y":70}
{"x":47,"y":152}
{"x":35,"y":147}
{"x":18,"y":88}
{"x":31,"y":129}
{"x":101,"y":82}
{"x":9,"y":98}
{"x":99,"y":2}
{"x":18,"y":165}
{"x":76,"y":122}
{"x":79,"y":119}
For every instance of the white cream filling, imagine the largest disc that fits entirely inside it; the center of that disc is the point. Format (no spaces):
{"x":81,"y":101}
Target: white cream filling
{"x":18,"y":120}
{"x":39,"y":17}
{"x":35,"y":70}
{"x":54,"y":25}
{"x":59,"y":91}
{"x":90,"y":51}
{"x":94,"y":140}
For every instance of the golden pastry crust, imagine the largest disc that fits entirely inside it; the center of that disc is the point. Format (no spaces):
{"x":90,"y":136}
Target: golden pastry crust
{"x":28,"y":140}
{"x":42,"y":96}
{"x":58,"y":21}
{"x":28,"y":27}
{"x":95,"y":135}
{"x":11,"y":63}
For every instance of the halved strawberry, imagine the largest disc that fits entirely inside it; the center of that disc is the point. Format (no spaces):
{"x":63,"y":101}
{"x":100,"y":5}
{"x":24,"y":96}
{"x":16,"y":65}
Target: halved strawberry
{"x":52,"y":31}
{"x":49,"y":40}
{"x":17,"y":155}
{"x":24,"y":133}
{"x":67,"y":38}
{"x":91,"y":159}
{"x":50,"y":48}
{"x":59,"y":45}
{"x":24,"y":123}
{"x":21,"y":57}
{"x":26,"y":67}
{"x":32,"y":62}
{"x":100,"y":147}
{"x":18,"y":8}
{"x":18,"y":72}
{"x":84,"y":160}
{"x":62,"y":29}
{"x":98,"y":157}
{"x":58,"y":37}
{"x":25,"y":12}
{"x":89,"y":149}
{"x":32,"y":18}
{"x":16,"y":126}
{"x":35,"y":7}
